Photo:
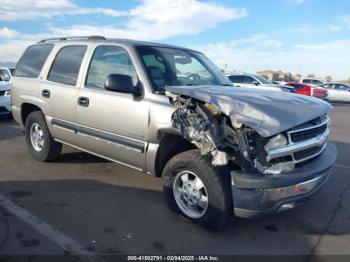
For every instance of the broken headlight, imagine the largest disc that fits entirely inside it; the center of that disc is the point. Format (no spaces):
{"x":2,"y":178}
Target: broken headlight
{"x":276,"y":142}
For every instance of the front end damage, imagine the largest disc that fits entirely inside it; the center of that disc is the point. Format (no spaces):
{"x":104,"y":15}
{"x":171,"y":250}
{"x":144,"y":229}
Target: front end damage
{"x":269,"y":173}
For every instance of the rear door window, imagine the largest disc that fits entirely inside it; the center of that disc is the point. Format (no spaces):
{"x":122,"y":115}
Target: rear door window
{"x":33,"y":60}
{"x":65,"y":68}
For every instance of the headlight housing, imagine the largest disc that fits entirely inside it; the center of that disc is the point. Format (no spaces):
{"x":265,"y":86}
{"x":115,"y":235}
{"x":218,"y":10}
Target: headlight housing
{"x":275,"y":142}
{"x":7,"y":93}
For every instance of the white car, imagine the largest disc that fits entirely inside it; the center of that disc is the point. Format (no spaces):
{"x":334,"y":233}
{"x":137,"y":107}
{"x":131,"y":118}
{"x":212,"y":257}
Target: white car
{"x":313,"y":82}
{"x":5,"y":92}
{"x":257,"y":82}
{"x":337,"y":92}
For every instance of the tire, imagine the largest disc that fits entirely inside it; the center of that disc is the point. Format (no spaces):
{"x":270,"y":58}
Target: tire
{"x":50,"y":149}
{"x":216,"y":183}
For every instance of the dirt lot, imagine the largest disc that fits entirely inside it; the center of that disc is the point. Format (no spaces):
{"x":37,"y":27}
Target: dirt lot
{"x":86,"y":205}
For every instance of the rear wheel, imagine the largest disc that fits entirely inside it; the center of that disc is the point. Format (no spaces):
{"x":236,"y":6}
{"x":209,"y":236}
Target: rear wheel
{"x":39,"y":141}
{"x":198,"y":190}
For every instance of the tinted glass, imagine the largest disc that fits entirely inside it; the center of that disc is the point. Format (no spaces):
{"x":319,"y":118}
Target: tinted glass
{"x":109,"y":60}
{"x":32,"y":61}
{"x":263,"y":80}
{"x":248,"y":80}
{"x":236,"y":79}
{"x":317,"y":82}
{"x":341,"y":87}
{"x":65,"y":68}
{"x":307,"y":81}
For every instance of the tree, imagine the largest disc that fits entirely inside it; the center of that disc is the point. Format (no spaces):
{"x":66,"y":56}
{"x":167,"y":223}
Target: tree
{"x":328,"y":78}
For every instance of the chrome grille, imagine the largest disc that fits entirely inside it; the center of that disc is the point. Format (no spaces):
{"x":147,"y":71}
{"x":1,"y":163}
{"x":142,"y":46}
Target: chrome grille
{"x":304,"y":142}
{"x":316,"y":128}
{"x":307,"y":134}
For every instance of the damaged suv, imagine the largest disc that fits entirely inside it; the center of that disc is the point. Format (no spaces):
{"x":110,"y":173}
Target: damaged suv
{"x":169,"y":111}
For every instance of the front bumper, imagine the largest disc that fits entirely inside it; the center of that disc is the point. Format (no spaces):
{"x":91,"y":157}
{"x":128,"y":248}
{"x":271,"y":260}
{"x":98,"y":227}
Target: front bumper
{"x":258,"y":195}
{"x":5,"y":105}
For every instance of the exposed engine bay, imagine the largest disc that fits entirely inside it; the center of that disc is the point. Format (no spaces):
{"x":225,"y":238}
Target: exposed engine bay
{"x":214,"y":134}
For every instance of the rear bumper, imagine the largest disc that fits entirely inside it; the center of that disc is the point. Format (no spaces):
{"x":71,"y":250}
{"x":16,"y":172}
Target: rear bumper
{"x":259,"y":195}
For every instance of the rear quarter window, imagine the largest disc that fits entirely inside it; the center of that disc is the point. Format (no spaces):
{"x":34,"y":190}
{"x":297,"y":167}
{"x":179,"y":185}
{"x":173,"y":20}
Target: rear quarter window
{"x":33,"y":60}
{"x":65,"y":68}
{"x":307,"y":81}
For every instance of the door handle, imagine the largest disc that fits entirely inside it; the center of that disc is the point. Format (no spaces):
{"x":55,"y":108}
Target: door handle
{"x":83,"y":101}
{"x":45,"y":93}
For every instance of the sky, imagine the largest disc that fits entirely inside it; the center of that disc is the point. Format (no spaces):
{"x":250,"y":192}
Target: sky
{"x":298,"y":36}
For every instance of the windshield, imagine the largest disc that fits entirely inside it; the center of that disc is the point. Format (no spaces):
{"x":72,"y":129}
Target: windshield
{"x":177,"y":67}
{"x":263,"y":80}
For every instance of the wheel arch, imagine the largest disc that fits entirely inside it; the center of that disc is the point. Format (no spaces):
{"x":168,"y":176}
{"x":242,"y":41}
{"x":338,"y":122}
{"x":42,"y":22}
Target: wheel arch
{"x":169,"y":146}
{"x":26,"y":109}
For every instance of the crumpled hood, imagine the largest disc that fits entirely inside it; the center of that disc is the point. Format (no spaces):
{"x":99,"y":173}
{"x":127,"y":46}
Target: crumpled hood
{"x":267,"y":112}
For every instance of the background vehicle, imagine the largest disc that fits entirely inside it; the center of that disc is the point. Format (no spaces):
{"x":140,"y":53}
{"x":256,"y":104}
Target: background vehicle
{"x":255,"y":81}
{"x":312,"y":81}
{"x":337,"y":92}
{"x":320,"y":92}
{"x":300,"y":88}
{"x":5,"y":92}
{"x":169,"y":111}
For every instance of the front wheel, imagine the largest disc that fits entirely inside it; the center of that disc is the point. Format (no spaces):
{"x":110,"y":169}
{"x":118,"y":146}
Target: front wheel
{"x":198,"y":190}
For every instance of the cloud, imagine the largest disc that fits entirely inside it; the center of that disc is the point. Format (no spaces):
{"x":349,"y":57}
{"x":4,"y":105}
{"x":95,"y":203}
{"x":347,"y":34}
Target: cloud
{"x":161,"y":19}
{"x":7,"y":33}
{"x":334,"y":28}
{"x":150,"y":20}
{"x":12,"y":48}
{"x":14,"y":10}
{"x":322,"y":59}
{"x":346,"y":20}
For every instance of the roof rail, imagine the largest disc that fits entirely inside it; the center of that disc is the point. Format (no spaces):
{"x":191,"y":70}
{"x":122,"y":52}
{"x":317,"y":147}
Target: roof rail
{"x":91,"y":37}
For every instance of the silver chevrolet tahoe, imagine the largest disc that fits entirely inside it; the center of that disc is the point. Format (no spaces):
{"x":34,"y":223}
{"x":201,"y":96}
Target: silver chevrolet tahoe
{"x":165,"y":110}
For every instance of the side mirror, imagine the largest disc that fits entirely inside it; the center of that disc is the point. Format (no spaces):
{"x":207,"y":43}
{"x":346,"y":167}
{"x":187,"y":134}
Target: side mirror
{"x":121,"y":83}
{"x":255,"y":83}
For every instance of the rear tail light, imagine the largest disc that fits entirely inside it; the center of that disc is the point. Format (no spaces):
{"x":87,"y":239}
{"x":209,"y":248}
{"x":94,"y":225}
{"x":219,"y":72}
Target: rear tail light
{"x":308,"y":90}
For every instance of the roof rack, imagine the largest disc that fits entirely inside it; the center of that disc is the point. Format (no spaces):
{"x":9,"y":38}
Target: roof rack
{"x":91,"y":37}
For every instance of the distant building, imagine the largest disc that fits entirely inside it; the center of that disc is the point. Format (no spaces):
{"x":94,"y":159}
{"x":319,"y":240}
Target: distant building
{"x":276,"y":75}
{"x":269,"y":74}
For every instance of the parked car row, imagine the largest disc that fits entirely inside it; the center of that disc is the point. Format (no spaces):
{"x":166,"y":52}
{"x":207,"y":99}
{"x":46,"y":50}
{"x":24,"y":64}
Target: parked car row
{"x":309,"y":90}
{"x":333,"y":92}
